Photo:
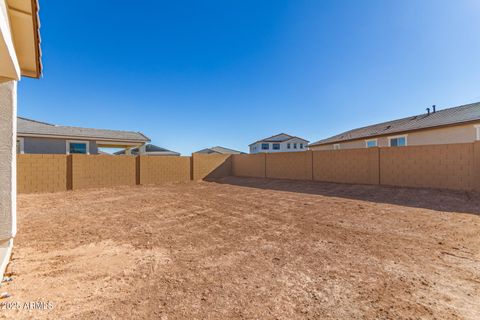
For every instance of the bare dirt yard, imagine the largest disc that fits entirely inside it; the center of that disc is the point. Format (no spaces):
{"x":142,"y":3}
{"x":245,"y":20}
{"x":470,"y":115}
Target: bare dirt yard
{"x":247,"y":249}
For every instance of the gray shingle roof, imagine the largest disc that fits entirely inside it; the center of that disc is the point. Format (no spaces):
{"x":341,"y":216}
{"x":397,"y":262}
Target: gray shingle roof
{"x":151,"y":148}
{"x":455,"y":115}
{"x":28,"y":126}
{"x":281,"y":137}
{"x":219,"y":150}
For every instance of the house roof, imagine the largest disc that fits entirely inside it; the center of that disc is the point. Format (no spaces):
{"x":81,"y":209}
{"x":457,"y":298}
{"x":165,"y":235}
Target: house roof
{"x":28,"y":127}
{"x":219,"y":150}
{"x":450,"y":116}
{"x":153,"y":149}
{"x":25,"y":25}
{"x":281,"y":137}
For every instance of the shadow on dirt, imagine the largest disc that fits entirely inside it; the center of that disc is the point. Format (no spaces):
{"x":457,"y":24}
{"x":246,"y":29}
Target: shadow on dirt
{"x":433,"y":199}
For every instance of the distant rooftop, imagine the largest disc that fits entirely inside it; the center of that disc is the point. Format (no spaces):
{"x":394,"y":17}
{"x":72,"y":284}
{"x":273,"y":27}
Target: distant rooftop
{"x":444,"y":117}
{"x":219,"y":150}
{"x":37,"y":128}
{"x":151,"y":149}
{"x":281,"y":137}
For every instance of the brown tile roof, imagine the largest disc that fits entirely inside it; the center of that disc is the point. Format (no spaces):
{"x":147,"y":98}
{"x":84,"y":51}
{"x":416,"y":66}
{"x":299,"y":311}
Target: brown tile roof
{"x":455,"y":115}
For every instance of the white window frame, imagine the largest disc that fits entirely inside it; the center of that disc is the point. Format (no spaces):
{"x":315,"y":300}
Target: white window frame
{"x":396,"y":137}
{"x":22,"y":145}
{"x":336,"y":146}
{"x":78,"y":141}
{"x":367,"y":141}
{"x":477,"y":126}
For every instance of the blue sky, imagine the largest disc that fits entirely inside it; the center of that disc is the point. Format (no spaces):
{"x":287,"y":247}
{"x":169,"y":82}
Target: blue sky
{"x":194,"y":74}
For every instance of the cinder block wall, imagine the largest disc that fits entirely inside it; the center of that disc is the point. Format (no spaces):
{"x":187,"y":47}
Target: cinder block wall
{"x":210,"y":166}
{"x":41,"y":173}
{"x":289,"y":165}
{"x":157,"y":170}
{"x":454,"y":166}
{"x":96,"y":171}
{"x":249,"y":165}
{"x":347,"y":166}
{"x":447,"y":166}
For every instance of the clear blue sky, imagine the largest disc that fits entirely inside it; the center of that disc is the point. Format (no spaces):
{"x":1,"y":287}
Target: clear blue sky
{"x":194,"y":74}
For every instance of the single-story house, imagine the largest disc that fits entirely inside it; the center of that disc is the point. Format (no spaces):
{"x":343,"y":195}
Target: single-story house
{"x":149,"y":150}
{"x":453,"y":125}
{"x":219,"y":150}
{"x":279,"y":143}
{"x":20,"y":56}
{"x":45,"y":138}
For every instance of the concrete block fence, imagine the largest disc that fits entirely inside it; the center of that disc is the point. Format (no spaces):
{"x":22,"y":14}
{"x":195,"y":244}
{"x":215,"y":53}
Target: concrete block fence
{"x":448,"y":166}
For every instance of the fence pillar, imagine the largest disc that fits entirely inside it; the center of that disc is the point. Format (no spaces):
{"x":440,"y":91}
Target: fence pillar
{"x":476,"y":166}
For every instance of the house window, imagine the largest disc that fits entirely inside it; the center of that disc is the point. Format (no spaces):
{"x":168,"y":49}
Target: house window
{"x":478,"y":131}
{"x":20,"y":146}
{"x":78,"y":147}
{"x":294,"y":146}
{"x":265,"y":146}
{"x":301,"y":145}
{"x":288,"y":145}
{"x":371,"y":143}
{"x":336,"y":146}
{"x":400,"y":141}
{"x":276,"y":146}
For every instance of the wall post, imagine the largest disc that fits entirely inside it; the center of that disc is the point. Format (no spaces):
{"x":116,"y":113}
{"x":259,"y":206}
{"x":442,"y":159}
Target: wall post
{"x":476,"y":166}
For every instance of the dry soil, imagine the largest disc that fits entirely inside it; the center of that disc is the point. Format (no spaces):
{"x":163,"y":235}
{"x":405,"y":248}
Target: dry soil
{"x":246,"y":249}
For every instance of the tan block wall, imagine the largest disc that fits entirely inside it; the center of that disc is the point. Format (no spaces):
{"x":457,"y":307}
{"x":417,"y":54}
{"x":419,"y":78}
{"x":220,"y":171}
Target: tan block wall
{"x":476,"y":166}
{"x":347,"y":166}
{"x":41,"y":173}
{"x":211,"y":166}
{"x":157,"y":170}
{"x":249,"y":165}
{"x":449,"y":166}
{"x":289,"y":165}
{"x":96,"y":171}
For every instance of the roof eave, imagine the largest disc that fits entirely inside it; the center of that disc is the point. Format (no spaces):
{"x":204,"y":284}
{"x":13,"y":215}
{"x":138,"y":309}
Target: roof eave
{"x":316,"y":144}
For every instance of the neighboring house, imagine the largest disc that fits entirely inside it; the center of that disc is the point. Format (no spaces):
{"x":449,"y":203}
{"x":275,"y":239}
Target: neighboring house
{"x":454,"y":125}
{"x":45,"y":138}
{"x":279,"y":143}
{"x":150,"y":150}
{"x":20,"y":56}
{"x":219,"y":150}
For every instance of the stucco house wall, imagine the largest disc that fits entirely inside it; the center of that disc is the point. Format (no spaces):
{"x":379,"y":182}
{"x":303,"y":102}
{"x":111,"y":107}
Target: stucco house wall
{"x":257,"y":147}
{"x":33,"y":145}
{"x":465,"y":133}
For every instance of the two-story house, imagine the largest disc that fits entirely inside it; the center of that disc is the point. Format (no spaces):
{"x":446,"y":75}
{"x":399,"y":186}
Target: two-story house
{"x":279,"y":143}
{"x":453,"y":125}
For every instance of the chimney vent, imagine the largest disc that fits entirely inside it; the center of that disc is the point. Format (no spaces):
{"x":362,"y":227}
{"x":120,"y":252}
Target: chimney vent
{"x":433,"y":108}
{"x":428,"y":111}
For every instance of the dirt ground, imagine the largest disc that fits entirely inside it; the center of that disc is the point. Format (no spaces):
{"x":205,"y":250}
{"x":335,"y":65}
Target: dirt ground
{"x":246,"y":249}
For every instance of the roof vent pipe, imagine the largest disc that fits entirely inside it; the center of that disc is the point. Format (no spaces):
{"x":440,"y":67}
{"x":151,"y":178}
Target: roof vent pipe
{"x":434,"y":107}
{"x":428,"y":111}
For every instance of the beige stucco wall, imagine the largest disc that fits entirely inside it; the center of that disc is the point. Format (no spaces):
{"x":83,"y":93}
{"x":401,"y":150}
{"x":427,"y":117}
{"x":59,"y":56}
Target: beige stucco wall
{"x":8,"y":130}
{"x":455,"y":134}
